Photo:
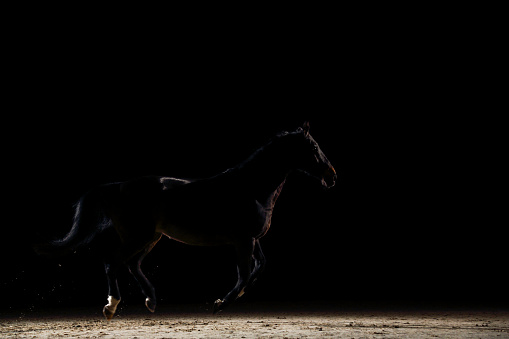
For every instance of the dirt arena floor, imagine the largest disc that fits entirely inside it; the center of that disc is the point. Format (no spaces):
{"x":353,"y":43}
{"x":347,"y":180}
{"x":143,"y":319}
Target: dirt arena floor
{"x":260,"y":321}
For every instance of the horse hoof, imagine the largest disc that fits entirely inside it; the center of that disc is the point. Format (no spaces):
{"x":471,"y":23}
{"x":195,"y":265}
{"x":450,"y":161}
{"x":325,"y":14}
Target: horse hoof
{"x":107,"y":313}
{"x":151,"y":305}
{"x":111,"y":307}
{"x":218,"y":306}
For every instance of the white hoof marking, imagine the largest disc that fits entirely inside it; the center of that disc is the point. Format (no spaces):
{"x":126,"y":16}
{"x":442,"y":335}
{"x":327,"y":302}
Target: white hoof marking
{"x":110,"y":308}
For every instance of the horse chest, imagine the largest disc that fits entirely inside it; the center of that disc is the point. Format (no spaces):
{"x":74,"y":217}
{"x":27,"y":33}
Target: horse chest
{"x":264,"y":214}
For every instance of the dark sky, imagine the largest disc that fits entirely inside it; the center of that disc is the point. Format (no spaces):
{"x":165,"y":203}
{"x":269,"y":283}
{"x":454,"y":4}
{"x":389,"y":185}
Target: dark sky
{"x":414,"y":215}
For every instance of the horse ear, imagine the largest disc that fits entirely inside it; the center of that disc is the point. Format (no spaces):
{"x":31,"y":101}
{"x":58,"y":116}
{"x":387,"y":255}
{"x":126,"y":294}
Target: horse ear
{"x":305,"y":128}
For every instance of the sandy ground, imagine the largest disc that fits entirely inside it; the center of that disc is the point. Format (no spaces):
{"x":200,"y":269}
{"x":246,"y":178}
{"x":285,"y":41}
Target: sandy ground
{"x":260,"y":322}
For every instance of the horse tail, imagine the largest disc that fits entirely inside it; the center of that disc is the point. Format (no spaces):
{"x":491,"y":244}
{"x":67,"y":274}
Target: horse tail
{"x":92,"y":216}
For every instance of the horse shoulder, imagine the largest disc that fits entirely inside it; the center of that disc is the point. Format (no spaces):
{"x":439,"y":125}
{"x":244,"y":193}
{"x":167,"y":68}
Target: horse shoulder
{"x":263,"y":220}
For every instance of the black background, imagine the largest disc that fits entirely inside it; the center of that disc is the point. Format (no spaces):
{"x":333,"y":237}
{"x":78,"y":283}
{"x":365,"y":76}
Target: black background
{"x":413,"y":217}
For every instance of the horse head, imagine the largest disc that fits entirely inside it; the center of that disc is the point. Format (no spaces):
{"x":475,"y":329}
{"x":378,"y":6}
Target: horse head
{"x":311,"y":160}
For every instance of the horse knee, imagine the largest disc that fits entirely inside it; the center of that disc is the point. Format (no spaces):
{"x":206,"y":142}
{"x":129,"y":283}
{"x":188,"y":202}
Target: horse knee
{"x":260,"y":265}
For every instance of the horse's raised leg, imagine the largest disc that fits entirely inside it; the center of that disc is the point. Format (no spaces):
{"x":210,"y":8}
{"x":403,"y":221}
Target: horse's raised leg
{"x":244,"y":262}
{"x":260,"y":262}
{"x":113,"y":292}
{"x":134,"y":266}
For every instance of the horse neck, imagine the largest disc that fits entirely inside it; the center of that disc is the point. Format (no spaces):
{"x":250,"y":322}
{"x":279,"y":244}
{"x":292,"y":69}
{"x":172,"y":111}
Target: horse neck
{"x":265,"y":174}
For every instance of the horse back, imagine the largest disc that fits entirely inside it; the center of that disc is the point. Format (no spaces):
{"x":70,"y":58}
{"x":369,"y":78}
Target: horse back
{"x":139,"y":198}
{"x":147,"y":188}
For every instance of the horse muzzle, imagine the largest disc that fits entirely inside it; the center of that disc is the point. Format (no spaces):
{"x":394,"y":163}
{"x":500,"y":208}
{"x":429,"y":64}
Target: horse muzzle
{"x":329,"y":177}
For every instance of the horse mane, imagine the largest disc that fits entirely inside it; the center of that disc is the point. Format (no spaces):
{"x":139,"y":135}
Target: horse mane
{"x":256,"y":156}
{"x":258,"y":153}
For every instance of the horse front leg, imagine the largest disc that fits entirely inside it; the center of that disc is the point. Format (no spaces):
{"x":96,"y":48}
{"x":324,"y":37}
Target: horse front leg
{"x":259,"y":266}
{"x":244,"y":252}
{"x":134,"y":266}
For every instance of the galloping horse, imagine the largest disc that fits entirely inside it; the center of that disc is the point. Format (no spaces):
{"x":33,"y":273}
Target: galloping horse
{"x":231,"y":208}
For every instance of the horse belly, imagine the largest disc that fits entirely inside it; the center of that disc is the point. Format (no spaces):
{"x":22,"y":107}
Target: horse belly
{"x":210,"y":216}
{"x":212,"y":227}
{"x":202,"y":233}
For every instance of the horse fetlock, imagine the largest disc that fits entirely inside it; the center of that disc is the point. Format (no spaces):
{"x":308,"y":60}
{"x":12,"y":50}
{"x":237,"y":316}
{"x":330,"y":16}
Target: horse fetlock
{"x":151,"y":304}
{"x":111,"y":307}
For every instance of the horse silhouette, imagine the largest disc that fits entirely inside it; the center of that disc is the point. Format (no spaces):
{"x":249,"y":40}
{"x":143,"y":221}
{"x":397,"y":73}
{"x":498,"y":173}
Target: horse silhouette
{"x":232,"y":208}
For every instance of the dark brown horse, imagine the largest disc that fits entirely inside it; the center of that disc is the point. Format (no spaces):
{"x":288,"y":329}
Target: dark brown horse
{"x":232,"y":208}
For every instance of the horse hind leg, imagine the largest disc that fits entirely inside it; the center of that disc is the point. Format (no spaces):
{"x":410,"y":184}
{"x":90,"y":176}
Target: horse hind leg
{"x":113,"y":292}
{"x":111,"y":307}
